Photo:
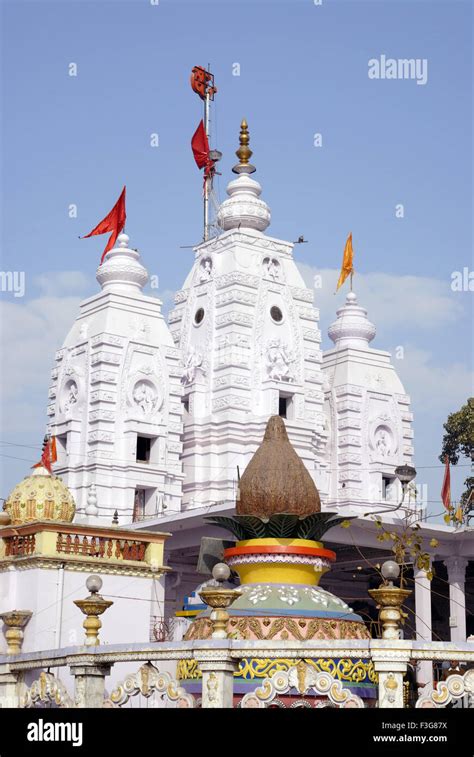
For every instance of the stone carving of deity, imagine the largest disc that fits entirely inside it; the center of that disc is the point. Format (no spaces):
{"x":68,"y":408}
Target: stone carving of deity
{"x":144,"y":397}
{"x":71,"y":397}
{"x":212,"y":687}
{"x":192,"y":362}
{"x":206,"y":269}
{"x":272,"y":268}
{"x":382,"y":442}
{"x":279,"y":360}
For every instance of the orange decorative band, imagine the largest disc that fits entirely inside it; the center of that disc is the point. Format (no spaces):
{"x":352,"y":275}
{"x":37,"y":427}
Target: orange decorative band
{"x":319,"y":563}
{"x":280,"y":549}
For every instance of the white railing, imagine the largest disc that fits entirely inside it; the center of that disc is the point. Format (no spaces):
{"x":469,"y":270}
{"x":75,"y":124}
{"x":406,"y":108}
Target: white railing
{"x":218,"y":660}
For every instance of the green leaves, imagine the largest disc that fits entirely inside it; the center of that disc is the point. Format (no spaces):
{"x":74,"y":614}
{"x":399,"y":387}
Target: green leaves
{"x":283,"y":526}
{"x":229,"y":524}
{"x":255,"y":527}
{"x":315,"y":526}
{"x":280,"y":526}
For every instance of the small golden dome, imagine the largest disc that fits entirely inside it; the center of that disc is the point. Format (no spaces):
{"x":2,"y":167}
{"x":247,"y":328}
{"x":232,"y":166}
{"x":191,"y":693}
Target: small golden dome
{"x":276,"y":479}
{"x":40,"y":496}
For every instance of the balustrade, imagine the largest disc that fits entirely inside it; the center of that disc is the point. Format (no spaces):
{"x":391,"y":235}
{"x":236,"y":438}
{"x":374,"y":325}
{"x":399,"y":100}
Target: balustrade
{"x":218,"y":659}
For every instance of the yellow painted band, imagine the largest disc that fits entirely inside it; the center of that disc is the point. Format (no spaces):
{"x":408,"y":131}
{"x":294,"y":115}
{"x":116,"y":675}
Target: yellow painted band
{"x":187,"y":613}
{"x":282,"y":542}
{"x":278,"y":573}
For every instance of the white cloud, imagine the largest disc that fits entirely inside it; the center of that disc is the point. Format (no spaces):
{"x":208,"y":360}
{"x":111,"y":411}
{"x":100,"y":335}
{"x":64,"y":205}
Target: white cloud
{"x":393,"y":302}
{"x":58,"y":283}
{"x":30,"y":333}
{"x":435,"y":386}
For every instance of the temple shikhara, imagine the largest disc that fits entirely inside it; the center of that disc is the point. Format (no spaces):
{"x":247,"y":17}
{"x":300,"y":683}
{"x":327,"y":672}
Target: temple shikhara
{"x":224,"y":520}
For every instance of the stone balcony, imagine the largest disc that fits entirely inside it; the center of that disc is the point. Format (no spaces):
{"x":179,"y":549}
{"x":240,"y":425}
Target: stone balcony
{"x":86,"y":548}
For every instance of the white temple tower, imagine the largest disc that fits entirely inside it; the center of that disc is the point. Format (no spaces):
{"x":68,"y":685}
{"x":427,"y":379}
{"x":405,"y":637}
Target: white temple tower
{"x":369,"y":420}
{"x":115,"y":397}
{"x":251,"y":348}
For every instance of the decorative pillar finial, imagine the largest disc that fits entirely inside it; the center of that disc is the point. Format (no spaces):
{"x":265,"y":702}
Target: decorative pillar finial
{"x":219,"y":599}
{"x":93,"y":606}
{"x":244,"y":153}
{"x":15,"y":620}
{"x":389,"y":600}
{"x":92,"y":508}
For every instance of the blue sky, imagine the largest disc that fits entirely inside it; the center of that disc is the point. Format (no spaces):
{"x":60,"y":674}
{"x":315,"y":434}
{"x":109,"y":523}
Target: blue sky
{"x":303,"y":69}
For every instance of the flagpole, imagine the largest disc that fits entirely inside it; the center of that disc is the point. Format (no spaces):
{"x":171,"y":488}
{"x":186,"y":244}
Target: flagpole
{"x":206,"y":179}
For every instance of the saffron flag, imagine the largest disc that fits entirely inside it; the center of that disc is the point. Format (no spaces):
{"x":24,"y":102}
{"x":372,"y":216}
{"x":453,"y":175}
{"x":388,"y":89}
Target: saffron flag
{"x":114,"y":222}
{"x":446,"y":488}
{"x":49,"y":454}
{"x":347,"y":262}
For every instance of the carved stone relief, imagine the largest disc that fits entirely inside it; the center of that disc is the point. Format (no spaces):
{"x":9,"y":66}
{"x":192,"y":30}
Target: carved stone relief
{"x":279,"y":360}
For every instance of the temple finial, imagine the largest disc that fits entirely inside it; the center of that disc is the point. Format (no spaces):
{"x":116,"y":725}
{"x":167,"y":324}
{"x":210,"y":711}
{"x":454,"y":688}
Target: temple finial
{"x":244,"y":153}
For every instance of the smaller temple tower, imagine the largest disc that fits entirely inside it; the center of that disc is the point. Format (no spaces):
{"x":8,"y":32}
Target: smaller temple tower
{"x":368,"y":415}
{"x":115,"y":399}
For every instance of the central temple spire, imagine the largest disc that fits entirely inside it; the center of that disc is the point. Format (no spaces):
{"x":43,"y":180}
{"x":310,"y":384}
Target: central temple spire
{"x":244,"y":208}
{"x":244,"y":153}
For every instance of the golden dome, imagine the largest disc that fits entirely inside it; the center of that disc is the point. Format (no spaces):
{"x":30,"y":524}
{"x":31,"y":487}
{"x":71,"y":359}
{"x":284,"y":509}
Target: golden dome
{"x":40,"y":496}
{"x":276,"y":479}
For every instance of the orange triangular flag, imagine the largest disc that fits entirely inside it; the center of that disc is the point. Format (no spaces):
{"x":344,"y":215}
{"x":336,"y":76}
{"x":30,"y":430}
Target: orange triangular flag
{"x":113,"y":221}
{"x":446,"y":488}
{"x":347,"y":267}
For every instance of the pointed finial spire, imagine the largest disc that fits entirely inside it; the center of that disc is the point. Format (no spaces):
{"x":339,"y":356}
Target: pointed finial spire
{"x":92,"y":508}
{"x":244,"y":153}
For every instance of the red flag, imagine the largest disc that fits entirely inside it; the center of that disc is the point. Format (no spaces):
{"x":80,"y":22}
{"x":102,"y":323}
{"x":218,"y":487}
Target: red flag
{"x":49,"y":455}
{"x":200,"y":146}
{"x":114,"y":222}
{"x":446,"y":488}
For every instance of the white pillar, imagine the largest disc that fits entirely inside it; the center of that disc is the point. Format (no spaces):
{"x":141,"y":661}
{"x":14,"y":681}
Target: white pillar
{"x":457,"y":601}
{"x":10,"y":684}
{"x":390,"y":658}
{"x":89,"y":684}
{"x":424,"y":672}
{"x":217,"y":678}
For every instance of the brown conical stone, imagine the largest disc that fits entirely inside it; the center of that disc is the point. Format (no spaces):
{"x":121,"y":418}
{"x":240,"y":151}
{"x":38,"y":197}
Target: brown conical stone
{"x":276,"y":480}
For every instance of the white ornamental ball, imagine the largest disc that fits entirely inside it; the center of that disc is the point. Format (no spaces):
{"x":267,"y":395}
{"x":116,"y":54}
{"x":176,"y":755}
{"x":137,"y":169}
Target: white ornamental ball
{"x":390,"y":570}
{"x":221,"y":572}
{"x":94,"y":584}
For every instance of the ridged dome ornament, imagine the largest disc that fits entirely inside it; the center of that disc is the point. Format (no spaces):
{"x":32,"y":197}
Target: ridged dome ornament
{"x":40,"y":496}
{"x":352,"y":328}
{"x":121,"y":270}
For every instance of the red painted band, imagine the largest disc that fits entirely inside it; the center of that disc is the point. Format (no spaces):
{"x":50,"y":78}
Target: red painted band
{"x":276,"y":549}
